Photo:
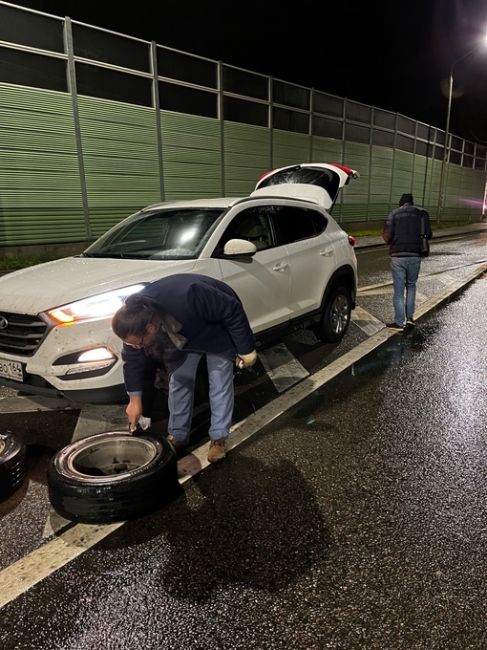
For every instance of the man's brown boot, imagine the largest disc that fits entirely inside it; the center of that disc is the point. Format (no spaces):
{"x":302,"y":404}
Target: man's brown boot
{"x":217,"y":451}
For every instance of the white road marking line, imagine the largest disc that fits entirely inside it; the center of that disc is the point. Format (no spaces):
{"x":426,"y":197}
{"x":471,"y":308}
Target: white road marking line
{"x":31,"y":569}
{"x":445,"y":278}
{"x":38,"y":565}
{"x":383,"y":291}
{"x":282,"y":367}
{"x":366,"y":321}
{"x":420,"y":297}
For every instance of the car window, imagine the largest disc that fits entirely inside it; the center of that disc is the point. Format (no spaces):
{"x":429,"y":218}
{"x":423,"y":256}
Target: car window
{"x":325,"y":178}
{"x":168,"y":234}
{"x":252,"y":225}
{"x":294,"y":224}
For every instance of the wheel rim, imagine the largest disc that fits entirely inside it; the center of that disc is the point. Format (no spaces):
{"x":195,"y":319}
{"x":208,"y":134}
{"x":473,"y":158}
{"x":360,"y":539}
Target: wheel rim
{"x":111,"y":459}
{"x":3,"y":444}
{"x":339,"y":314}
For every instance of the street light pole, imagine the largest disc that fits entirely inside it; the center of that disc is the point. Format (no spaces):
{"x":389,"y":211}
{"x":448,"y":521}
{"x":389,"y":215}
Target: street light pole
{"x":447,"y":129}
{"x":445,"y":148}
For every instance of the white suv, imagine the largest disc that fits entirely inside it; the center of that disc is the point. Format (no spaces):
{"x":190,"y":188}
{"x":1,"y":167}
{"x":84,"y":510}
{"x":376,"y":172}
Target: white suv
{"x":279,"y":249}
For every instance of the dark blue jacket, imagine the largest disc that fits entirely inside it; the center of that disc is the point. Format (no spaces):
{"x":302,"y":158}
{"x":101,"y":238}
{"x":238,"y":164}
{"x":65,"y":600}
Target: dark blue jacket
{"x":402,"y":230}
{"x":212,"y":319}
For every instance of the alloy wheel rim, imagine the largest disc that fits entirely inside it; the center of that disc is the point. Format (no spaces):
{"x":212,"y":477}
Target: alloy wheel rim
{"x":339,"y":314}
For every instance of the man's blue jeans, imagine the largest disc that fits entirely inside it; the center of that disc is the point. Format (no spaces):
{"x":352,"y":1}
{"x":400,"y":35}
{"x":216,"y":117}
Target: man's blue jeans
{"x":405,"y":271}
{"x":181,"y":394}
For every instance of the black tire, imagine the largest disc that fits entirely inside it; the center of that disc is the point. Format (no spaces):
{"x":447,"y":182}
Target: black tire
{"x":336,"y":315}
{"x":112,"y":477}
{"x":12,"y":464}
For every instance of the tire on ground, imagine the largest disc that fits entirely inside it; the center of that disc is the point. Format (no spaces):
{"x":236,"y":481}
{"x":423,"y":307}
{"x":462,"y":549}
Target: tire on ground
{"x":336,"y":315}
{"x":112,"y":477}
{"x":12,"y":464}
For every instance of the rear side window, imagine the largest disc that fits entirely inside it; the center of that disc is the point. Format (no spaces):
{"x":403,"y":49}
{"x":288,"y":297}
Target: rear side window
{"x":295,"y":224}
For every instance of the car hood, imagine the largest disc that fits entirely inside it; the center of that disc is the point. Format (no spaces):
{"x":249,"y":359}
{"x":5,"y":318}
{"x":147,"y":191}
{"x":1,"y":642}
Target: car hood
{"x":38,"y":288}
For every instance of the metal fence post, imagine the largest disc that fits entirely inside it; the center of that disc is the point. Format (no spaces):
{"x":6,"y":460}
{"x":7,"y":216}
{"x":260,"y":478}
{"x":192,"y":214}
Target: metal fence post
{"x":72,"y":89}
{"x":157,"y":109}
{"x":222,"y":125}
{"x":310,"y":123}
{"x":271,"y":135}
{"x":393,"y":162}
{"x":371,"y":124}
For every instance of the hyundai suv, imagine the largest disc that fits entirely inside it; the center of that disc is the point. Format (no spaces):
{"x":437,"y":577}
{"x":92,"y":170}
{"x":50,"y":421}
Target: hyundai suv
{"x":278,"y":248}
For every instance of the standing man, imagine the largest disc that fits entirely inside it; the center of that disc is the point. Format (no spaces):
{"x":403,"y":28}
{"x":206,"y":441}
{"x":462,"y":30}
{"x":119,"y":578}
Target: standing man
{"x":173,"y":322}
{"x":403,"y":231}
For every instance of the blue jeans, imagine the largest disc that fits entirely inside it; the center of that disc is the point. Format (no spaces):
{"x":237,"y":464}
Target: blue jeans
{"x":405,"y":271}
{"x":181,"y":394}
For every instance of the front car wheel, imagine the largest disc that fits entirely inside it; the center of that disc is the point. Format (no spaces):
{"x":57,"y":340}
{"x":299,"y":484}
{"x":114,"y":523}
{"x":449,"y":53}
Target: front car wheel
{"x":336,"y":315}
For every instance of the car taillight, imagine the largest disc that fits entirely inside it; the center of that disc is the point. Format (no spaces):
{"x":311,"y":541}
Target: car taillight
{"x":351,"y":240}
{"x":264,"y":174}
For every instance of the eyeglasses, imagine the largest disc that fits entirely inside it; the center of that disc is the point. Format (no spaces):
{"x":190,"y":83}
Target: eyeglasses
{"x":136,"y":346}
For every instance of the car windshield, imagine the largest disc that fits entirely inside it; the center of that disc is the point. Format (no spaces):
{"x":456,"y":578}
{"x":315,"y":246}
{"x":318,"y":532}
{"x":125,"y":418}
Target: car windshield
{"x":166,"y":235}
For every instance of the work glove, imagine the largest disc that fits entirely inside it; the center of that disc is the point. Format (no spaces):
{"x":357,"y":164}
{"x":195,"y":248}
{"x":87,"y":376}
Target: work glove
{"x":246,"y":360}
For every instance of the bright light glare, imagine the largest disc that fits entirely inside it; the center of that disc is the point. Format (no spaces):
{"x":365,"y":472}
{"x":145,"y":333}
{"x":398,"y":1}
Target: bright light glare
{"x":105,"y":304}
{"x":97,"y":354}
{"x":187,"y":236}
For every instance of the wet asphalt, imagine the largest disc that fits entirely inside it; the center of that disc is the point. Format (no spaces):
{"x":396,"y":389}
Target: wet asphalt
{"x":357,"y":520}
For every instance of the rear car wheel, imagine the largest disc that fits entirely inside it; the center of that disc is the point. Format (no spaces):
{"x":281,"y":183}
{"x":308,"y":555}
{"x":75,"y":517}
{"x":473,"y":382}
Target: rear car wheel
{"x":112,"y":477}
{"x":336,"y":315}
{"x":12,"y":464}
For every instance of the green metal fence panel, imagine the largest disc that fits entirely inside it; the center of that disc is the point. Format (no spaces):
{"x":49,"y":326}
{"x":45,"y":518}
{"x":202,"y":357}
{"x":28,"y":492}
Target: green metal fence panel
{"x":420,"y":179}
{"x":433,"y":184}
{"x":40,"y":197}
{"x":326,"y":150}
{"x":289,"y":148}
{"x":192,"y":156}
{"x":402,"y":179}
{"x":120,"y":158}
{"x":73,"y":165}
{"x":380,"y":183}
{"x":247,"y":156}
{"x":355,"y":195}
{"x":473,"y":187}
{"x":453,"y":209}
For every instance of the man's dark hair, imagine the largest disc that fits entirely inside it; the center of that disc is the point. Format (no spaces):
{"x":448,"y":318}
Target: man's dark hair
{"x":132,"y":319}
{"x":406,"y":198}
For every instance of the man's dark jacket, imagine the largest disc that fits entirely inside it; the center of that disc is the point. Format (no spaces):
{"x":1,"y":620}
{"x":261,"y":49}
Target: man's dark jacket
{"x":402,"y":230}
{"x":211,"y":316}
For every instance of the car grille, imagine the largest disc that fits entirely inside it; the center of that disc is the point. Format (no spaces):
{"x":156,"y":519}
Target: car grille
{"x":20,"y":333}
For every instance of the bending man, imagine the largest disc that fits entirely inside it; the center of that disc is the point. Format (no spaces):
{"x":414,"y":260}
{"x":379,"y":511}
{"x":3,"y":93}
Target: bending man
{"x":173,"y":322}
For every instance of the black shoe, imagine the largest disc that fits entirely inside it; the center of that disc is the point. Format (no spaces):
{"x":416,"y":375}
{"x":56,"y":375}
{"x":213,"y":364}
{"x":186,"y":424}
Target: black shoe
{"x":410,"y":322}
{"x":395,"y":327}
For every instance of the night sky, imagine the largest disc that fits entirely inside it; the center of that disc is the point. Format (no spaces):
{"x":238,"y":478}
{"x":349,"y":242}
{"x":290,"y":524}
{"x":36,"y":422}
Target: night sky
{"x":395,"y":55}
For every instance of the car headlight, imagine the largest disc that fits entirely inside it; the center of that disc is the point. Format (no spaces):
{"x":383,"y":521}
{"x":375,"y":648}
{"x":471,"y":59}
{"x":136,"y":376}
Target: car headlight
{"x":104,"y":304}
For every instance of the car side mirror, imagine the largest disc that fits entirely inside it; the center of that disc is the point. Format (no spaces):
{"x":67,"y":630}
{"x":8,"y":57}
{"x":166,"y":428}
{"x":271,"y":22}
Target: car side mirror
{"x":239,"y":248}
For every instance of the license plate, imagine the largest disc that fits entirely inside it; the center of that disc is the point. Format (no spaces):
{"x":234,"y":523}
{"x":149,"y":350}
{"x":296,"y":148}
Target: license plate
{"x":11,"y":370}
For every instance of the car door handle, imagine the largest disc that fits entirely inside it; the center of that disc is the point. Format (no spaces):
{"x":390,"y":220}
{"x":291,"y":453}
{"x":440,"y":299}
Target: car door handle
{"x":282,"y":266}
{"x":328,"y":252}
